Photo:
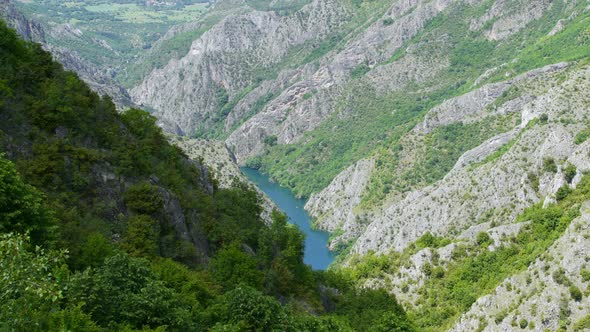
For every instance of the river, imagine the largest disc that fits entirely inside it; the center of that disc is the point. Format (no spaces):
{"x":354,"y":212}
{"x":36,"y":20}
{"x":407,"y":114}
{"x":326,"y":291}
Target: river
{"x":316,"y":250}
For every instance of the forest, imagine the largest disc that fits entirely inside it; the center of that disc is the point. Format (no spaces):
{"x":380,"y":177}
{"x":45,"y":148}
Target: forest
{"x":105,"y":226}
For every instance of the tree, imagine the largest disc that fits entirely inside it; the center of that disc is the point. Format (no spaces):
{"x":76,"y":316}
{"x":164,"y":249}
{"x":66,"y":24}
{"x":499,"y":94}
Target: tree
{"x":143,"y":198}
{"x":249,"y":309}
{"x":124,"y":291}
{"x":231,"y":266}
{"x":569,"y":172}
{"x":141,"y":236}
{"x":31,"y":283}
{"x":93,"y":251}
{"x":483,"y":239}
{"x":22,"y":207}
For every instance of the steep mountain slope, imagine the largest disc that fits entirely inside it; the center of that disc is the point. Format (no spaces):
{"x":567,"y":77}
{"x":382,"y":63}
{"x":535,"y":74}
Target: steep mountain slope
{"x":442,"y":143}
{"x":226,"y":62}
{"x":350,"y":89}
{"x":99,"y":80}
{"x":105,"y":226}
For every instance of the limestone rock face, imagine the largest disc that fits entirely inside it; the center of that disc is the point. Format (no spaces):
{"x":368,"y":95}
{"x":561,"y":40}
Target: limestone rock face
{"x":304,"y":105}
{"x":509,"y":17}
{"x":535,"y":295}
{"x":27,"y":29}
{"x":333,"y":207}
{"x":499,"y":188}
{"x":227,"y":59}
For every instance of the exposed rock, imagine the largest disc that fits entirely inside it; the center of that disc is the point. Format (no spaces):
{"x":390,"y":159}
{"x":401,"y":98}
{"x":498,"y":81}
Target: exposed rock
{"x":509,"y":17}
{"x":228,"y":58}
{"x":333,"y":207}
{"x":27,"y":29}
{"x":292,"y":114}
{"x":535,"y":295}
{"x":501,"y":185}
{"x":216,"y":156}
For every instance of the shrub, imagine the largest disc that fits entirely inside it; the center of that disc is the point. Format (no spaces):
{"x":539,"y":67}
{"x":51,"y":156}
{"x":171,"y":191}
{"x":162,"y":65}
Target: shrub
{"x":141,"y":236}
{"x":560,"y":277}
{"x":563,"y":192}
{"x":549,"y":165}
{"x":431,"y":241}
{"x":483,"y":239}
{"x":569,"y":172}
{"x":143,"y":198}
{"x":544,"y":118}
{"x":270,"y":140}
{"x":576,"y":293}
{"x":388,"y":21}
{"x":523,"y":323}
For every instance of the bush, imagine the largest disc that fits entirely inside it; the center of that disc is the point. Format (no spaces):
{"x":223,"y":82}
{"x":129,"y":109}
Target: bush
{"x":388,"y":21}
{"x":544,"y":118}
{"x":523,"y":323}
{"x":141,"y":236}
{"x":569,"y":172}
{"x":271,"y":140}
{"x":563,"y":192}
{"x":560,"y":278}
{"x":549,"y":165}
{"x":582,"y":136}
{"x":22,"y":207}
{"x":431,"y":241}
{"x":143,"y":198}
{"x":576,"y":293}
{"x":483,"y":239}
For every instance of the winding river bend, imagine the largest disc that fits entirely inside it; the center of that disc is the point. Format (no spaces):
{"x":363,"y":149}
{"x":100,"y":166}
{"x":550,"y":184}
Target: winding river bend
{"x":316,"y":250}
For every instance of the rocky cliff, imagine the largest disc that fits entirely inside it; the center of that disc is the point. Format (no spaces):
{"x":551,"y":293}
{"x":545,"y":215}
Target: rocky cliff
{"x":540,"y":298}
{"x":229,"y":58}
{"x":216,"y":156}
{"x":27,"y":29}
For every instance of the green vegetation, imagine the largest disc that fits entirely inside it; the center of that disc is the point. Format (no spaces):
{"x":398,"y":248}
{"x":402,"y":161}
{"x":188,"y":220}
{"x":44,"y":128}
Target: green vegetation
{"x":475,"y":271}
{"x":582,"y":136}
{"x":113,"y":34}
{"x":368,"y":123}
{"x":583,"y":324}
{"x":281,"y":7}
{"x":105,"y":226}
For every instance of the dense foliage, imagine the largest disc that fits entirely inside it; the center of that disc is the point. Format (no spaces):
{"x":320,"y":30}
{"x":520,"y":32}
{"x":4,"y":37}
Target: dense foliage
{"x":106,"y":226}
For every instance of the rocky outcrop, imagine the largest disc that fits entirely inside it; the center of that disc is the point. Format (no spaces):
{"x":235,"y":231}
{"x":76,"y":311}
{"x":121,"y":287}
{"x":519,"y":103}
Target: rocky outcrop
{"x":227,"y":59}
{"x":472,"y":107}
{"x":502,"y":184}
{"x":27,"y":29}
{"x":333,"y":207}
{"x":507,"y":17}
{"x":225,"y":171}
{"x":536,"y":295}
{"x":306,"y":104}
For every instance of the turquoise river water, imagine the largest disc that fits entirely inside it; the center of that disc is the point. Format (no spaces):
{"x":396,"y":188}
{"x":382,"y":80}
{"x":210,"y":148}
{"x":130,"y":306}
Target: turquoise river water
{"x":316,"y":251}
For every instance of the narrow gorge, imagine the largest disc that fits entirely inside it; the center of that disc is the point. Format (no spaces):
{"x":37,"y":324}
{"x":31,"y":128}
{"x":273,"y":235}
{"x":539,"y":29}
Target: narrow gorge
{"x":427,"y":156}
